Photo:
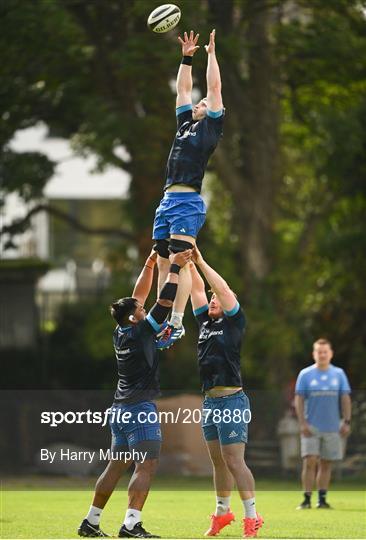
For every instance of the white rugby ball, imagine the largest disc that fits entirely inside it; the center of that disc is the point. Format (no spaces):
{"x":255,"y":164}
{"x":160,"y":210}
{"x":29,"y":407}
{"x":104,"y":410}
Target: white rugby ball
{"x":164,"y":18}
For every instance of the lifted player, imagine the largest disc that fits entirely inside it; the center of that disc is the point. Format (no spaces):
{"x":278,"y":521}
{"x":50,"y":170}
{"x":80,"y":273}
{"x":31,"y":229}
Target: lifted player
{"x":138,"y":385}
{"x":182,"y":212}
{"x":226,"y":408}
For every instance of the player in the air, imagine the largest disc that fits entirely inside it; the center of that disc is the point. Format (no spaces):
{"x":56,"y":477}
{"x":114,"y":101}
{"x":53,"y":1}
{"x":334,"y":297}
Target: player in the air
{"x":138,"y":385}
{"x":182,"y":211}
{"x":226,"y":408}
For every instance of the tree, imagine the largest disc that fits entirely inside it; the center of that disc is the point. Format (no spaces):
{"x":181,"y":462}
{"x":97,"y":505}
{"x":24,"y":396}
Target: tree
{"x":287,"y":181}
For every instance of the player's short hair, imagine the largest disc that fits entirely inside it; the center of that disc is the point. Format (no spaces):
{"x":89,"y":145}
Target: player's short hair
{"x":121,"y":309}
{"x":322,"y":341}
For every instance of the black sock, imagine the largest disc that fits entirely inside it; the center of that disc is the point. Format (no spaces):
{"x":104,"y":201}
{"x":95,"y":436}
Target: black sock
{"x":322,"y":493}
{"x":307,"y":496}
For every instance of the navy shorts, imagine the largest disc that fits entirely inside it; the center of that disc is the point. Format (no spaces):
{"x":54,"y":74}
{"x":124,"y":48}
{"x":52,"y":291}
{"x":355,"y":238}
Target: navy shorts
{"x":141,"y":423}
{"x":226,"y":418}
{"x":179,"y":213}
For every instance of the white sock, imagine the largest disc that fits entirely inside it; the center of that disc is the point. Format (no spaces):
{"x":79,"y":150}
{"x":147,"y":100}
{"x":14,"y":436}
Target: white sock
{"x":131,"y":518}
{"x":222,"y":505}
{"x":94,"y":515}
{"x":176,"y":319}
{"x":249,"y":507}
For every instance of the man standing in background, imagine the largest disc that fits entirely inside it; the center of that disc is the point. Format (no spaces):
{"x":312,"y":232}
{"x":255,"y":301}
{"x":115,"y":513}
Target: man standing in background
{"x":323,"y":408}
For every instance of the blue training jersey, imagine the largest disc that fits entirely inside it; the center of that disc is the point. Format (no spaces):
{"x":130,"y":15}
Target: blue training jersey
{"x":137,"y":361}
{"x":192,"y":147}
{"x":219,"y":345}
{"x":322,"y":390}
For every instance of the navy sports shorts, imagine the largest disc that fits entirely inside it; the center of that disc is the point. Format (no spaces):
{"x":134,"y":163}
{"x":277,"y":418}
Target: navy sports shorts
{"x":141,"y":423}
{"x":179,"y":213}
{"x":226,"y":418}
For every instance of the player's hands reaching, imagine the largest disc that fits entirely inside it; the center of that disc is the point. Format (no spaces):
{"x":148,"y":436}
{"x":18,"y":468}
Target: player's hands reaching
{"x":210,"y":48}
{"x":189,"y":44}
{"x":181,"y":258}
{"x":196,"y":256}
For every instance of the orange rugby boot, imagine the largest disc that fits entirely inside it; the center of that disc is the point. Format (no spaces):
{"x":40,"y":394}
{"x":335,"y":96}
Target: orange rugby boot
{"x":219,"y":522}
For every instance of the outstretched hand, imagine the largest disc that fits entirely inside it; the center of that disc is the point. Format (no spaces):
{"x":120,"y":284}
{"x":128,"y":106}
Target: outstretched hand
{"x":181,"y":258}
{"x":210,"y":48}
{"x":189,"y":44}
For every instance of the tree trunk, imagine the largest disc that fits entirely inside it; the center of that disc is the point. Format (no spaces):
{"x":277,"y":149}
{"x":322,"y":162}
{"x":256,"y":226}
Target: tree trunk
{"x":247,"y":157}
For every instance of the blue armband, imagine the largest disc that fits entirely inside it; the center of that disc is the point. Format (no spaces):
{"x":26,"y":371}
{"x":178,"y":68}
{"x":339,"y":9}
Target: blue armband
{"x":233,"y":311}
{"x":213,"y":114}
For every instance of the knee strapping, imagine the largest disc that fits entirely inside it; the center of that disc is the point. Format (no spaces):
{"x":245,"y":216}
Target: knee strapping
{"x":176,"y":246}
{"x":162,"y":248}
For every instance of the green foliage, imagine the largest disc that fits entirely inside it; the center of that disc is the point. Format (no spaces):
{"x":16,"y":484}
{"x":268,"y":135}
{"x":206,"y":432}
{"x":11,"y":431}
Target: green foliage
{"x":321,"y":231}
{"x":288,"y":187}
{"x":25,"y":174}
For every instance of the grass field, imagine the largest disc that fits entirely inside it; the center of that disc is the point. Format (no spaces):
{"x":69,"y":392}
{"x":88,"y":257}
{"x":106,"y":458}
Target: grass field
{"x":176,"y":508}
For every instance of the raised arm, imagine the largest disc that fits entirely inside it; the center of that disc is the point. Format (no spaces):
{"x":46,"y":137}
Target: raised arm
{"x":184,"y":78}
{"x":219,"y":286}
{"x":214,"y":97}
{"x":145,"y":279}
{"x":198,"y":293}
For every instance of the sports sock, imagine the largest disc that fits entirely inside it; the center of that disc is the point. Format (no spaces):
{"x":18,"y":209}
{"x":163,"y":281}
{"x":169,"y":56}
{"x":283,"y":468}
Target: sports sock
{"x":94,"y":515}
{"x":249,"y":507}
{"x":131,"y":518}
{"x":307,"y":496}
{"x":222,"y":505}
{"x":322,"y":494}
{"x":176,"y":319}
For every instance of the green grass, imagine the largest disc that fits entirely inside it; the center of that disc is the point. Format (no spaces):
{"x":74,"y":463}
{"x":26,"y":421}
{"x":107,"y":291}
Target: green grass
{"x":176,"y":508}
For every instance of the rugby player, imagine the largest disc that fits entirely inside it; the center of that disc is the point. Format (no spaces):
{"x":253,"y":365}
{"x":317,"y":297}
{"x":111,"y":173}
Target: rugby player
{"x":226,"y":408}
{"x":138,"y":385}
{"x":182,"y":211}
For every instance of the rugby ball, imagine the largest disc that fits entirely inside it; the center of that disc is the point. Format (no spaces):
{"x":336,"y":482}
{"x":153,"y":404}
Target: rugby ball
{"x":164,"y":18}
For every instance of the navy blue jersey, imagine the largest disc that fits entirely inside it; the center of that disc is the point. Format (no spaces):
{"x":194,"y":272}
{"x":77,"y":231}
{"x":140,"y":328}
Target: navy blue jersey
{"x":219,"y":344}
{"x":192,"y":147}
{"x":137,"y":362}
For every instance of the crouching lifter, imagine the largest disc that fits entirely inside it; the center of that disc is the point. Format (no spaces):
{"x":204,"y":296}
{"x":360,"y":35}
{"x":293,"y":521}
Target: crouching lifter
{"x":182,"y":211}
{"x":138,"y":385}
{"x":226,"y":408}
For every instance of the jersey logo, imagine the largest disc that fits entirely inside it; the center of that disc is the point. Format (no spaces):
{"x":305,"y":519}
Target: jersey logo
{"x":206,"y":333}
{"x":314,"y":382}
{"x":187,"y":134}
{"x":123,"y":351}
{"x":334,"y":382}
{"x":324,"y":377}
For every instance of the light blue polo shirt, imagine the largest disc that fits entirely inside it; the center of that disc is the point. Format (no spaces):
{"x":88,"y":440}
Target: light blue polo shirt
{"x":322,"y":390}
